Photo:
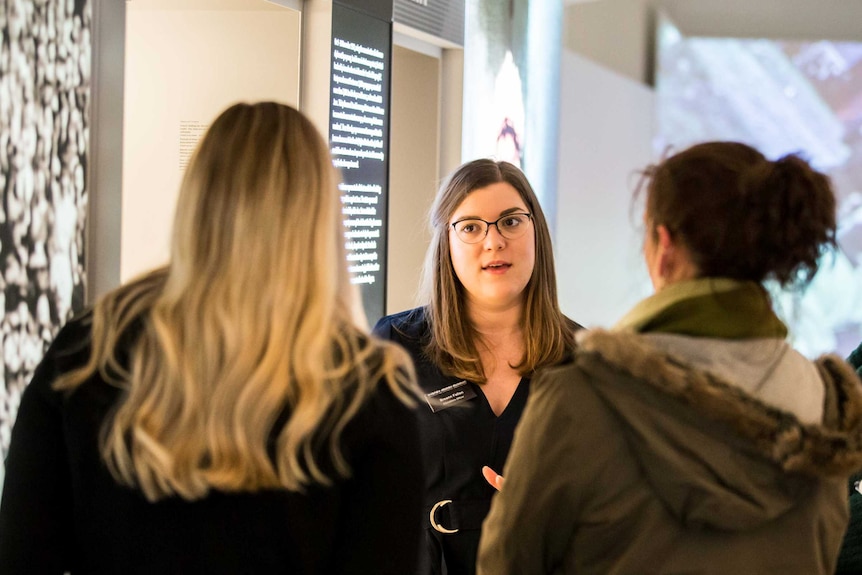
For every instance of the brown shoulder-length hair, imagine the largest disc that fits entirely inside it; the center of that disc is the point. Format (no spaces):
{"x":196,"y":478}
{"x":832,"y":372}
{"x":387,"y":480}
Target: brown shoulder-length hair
{"x":548,"y":334}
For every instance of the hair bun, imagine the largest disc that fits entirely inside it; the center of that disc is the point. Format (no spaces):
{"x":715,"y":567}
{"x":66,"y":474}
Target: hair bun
{"x":793,"y":208}
{"x":742,"y":215}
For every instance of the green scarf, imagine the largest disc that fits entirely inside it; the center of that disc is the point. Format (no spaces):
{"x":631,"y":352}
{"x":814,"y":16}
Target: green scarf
{"x":707,"y":307}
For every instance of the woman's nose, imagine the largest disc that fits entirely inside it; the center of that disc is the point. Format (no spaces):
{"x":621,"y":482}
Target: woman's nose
{"x":493,"y":238}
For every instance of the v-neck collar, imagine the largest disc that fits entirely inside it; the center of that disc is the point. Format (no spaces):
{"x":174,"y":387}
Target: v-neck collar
{"x":516,"y":402}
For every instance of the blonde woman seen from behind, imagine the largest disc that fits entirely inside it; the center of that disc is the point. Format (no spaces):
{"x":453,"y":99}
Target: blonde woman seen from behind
{"x":227,"y":413}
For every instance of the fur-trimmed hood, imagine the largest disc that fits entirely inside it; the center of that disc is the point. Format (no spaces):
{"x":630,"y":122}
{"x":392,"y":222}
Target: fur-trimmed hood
{"x":716,"y":455}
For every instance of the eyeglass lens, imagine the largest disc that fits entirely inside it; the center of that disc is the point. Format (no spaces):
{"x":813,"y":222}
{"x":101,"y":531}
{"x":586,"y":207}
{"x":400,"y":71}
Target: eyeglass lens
{"x":510,"y":226}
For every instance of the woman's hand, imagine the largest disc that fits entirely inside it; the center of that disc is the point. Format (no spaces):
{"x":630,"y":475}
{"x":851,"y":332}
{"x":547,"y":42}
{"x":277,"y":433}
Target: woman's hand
{"x":492,"y":477}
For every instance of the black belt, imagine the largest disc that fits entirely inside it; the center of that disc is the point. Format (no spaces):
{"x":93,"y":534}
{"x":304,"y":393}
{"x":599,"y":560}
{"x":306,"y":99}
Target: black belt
{"x":447,"y":516}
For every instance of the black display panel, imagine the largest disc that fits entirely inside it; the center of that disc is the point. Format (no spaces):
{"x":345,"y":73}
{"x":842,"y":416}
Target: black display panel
{"x":359,"y":140}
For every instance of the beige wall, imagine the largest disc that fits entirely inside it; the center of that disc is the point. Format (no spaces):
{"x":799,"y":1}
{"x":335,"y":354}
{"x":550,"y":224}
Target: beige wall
{"x":613,"y":33}
{"x":249,"y":50}
{"x":413,"y":170}
{"x":315,"y":70}
{"x":186,"y":64}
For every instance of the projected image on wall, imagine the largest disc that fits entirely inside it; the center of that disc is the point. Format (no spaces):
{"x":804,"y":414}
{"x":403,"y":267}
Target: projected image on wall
{"x":781,"y":97}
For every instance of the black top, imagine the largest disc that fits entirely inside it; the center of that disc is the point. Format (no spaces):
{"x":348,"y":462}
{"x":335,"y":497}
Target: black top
{"x":850,"y":558}
{"x":461,"y":436}
{"x":62,"y":511}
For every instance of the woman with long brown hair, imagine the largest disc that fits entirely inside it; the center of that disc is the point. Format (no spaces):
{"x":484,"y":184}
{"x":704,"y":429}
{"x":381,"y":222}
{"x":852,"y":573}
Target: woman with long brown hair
{"x":491,"y":320}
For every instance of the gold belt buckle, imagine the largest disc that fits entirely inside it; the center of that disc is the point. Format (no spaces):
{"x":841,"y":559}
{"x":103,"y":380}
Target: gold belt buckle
{"x":433,"y":518}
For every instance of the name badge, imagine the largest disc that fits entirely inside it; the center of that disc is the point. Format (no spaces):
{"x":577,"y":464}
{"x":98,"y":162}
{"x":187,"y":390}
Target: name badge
{"x":446,"y":397}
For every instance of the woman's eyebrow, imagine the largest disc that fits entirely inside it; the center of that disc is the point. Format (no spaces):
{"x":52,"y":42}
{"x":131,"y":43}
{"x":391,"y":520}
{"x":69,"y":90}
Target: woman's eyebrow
{"x":515,"y":210}
{"x":503,"y":213}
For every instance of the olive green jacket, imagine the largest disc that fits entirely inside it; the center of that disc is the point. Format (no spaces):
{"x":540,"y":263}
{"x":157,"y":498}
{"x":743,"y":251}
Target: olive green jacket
{"x":632,"y":460}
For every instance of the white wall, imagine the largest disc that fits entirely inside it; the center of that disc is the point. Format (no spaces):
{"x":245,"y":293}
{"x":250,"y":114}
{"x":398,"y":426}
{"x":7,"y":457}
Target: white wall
{"x":186,"y":64}
{"x":606,"y":124}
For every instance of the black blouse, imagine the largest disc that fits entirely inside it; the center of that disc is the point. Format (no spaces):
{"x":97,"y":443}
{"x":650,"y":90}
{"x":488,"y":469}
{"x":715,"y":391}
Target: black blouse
{"x":62,"y":511}
{"x":460,"y":433}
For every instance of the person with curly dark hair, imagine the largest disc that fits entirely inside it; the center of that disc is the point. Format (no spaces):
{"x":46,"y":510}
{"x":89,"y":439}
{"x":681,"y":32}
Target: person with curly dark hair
{"x":692,"y":437}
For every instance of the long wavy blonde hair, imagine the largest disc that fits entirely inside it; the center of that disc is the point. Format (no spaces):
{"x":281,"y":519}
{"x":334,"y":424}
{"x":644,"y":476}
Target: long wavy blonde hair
{"x":249,"y":350}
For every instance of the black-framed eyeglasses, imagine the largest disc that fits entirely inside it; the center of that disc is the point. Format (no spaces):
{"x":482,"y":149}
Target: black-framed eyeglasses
{"x":474,"y":230}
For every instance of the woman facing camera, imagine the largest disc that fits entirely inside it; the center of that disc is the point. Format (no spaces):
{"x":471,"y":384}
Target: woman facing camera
{"x":226,"y":413}
{"x":692,"y":438}
{"x":490,"y":321}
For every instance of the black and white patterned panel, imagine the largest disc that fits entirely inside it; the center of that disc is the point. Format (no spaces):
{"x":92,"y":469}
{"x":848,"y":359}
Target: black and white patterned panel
{"x":45,"y":62}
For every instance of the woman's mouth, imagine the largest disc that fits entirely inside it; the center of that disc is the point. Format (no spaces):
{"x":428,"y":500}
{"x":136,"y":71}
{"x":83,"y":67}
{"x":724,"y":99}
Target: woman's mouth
{"x":496,"y":267}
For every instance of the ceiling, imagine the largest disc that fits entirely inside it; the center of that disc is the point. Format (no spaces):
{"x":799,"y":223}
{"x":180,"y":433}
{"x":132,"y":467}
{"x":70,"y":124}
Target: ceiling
{"x":788,"y":19}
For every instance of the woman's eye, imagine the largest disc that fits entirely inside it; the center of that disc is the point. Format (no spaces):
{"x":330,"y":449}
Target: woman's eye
{"x":512,"y":222}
